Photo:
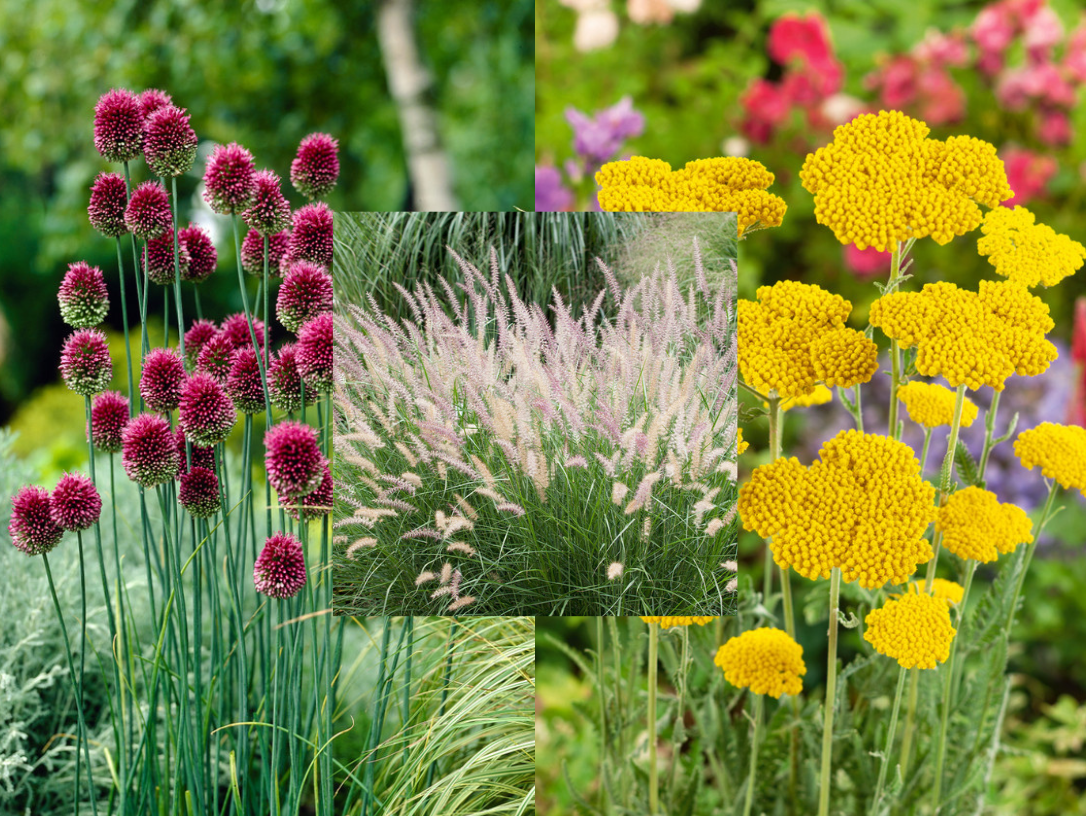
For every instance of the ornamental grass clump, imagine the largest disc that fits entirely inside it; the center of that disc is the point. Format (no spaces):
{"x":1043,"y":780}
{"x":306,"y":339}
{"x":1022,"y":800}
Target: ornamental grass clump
{"x":531,"y":449}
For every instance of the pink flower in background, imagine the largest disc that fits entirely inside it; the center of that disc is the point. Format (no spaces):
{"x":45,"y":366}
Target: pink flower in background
{"x":1074,"y":53}
{"x":993,"y":31}
{"x":942,"y":100}
{"x":1078,"y":334}
{"x":906,"y":81}
{"x":765,"y":107}
{"x":1028,"y":173}
{"x":942,"y":49}
{"x":1043,"y":31}
{"x":1076,"y":411}
{"x":866,"y":263}
{"x":806,"y":37}
{"x":1054,"y":128}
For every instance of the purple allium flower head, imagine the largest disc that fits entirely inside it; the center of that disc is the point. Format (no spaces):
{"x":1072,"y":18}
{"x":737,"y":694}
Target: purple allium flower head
{"x":315,"y":504}
{"x":202,"y":255}
{"x":316,"y":168}
{"x":150,"y":450}
{"x":158,"y":257}
{"x":118,"y":125}
{"x":169,"y":142}
{"x":311,"y":237}
{"x":279,"y":570}
{"x":293,"y":459}
{"x":199,"y":492}
{"x":236,"y":327}
{"x":148,"y":213}
{"x":76,"y":504}
{"x":201,"y":457}
{"x":228,"y":179}
{"x":216,"y":357}
{"x":600,"y":137}
{"x":108,"y":201}
{"x":550,"y":194}
{"x":161,"y":380}
{"x":315,"y":355}
{"x":252,"y":252}
{"x":269,"y":212}
{"x":207,"y":414}
{"x":83,"y":297}
{"x":85,"y":363}
{"x":152,"y":99}
{"x":285,"y":383}
{"x":196,"y":338}
{"x":109,"y":415}
{"x":244,"y":385}
{"x":306,"y":292}
{"x":32,"y":528}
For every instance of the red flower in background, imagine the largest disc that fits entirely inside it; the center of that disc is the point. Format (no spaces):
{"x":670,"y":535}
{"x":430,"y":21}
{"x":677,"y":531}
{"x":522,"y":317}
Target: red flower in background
{"x":1076,"y":411}
{"x":866,"y":263}
{"x":1028,"y":173}
{"x":806,"y":37}
{"x":765,"y":107}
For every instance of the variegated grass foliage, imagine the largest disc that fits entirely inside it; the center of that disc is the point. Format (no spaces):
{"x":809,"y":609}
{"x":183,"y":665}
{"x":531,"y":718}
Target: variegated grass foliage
{"x":506,"y":456}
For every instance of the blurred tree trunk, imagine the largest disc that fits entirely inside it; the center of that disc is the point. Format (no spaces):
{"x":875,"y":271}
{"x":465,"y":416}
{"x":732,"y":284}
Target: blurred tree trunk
{"x":409,"y":83}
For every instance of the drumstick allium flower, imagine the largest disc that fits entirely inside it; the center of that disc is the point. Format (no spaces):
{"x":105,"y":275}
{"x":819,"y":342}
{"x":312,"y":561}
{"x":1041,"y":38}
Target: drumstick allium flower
{"x":169,"y":142}
{"x":252,"y":253}
{"x":201,"y":457}
{"x":1026,"y":252}
{"x":159,"y":259}
{"x":216,"y":355}
{"x":85,"y":363}
{"x":306,"y":292}
{"x":244,"y":384}
{"x":108,"y":201}
{"x":971,"y":338}
{"x":152,"y":99}
{"x":932,"y":405}
{"x":109,"y":415}
{"x":315,"y":169}
{"x":975,"y":525}
{"x":150,"y":454}
{"x":722,"y":184}
{"x":235,"y":327}
{"x":766,"y":661}
{"x":315,"y":352}
{"x":206,"y":412}
{"x":915,"y":630}
{"x":316,"y":504}
{"x":199,"y":492}
{"x":83,"y":297}
{"x":279,"y":570}
{"x":229,"y":182}
{"x":148,"y":212}
{"x":862,"y":507}
{"x":1058,"y":450}
{"x":882,"y":181}
{"x":75,"y":503}
{"x":118,"y":125}
{"x":199,"y":333}
{"x":202,"y":256}
{"x":311,"y":235}
{"x":32,"y":528}
{"x":794,"y":336}
{"x":284,"y":381}
{"x":161,"y":380}
{"x":269,"y":211}
{"x":668,"y":622}
{"x":293,"y":459}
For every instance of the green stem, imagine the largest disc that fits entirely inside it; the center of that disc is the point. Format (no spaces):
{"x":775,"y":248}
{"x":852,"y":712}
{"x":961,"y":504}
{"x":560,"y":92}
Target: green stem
{"x":895,"y":352}
{"x":831,"y":696}
{"x":945,"y":475}
{"x":654,"y":791}
{"x":989,"y":430}
{"x":889,"y":741}
{"x":924,"y":451}
{"x":759,"y":706}
{"x":124,"y":322}
{"x":910,"y":721}
{"x":1037,"y":529}
{"x":604,"y":735}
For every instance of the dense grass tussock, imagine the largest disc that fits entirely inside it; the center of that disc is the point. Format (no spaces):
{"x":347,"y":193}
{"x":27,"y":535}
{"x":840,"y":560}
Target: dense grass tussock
{"x":488,"y":459}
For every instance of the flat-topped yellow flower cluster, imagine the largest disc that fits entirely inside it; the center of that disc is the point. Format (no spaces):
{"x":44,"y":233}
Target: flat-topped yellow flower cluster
{"x":767,"y":661}
{"x":975,"y":525}
{"x":915,"y":630}
{"x":1026,"y":252}
{"x":668,"y":622}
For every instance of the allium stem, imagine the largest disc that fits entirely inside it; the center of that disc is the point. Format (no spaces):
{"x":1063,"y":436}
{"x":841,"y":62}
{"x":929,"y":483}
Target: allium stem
{"x":895,"y":352}
{"x":756,"y":738}
{"x":82,"y":652}
{"x":140,"y":290}
{"x":249,"y":319}
{"x":885,"y":764}
{"x":124,"y":321}
{"x":831,"y":696}
{"x":654,"y":792}
{"x":177,"y":286}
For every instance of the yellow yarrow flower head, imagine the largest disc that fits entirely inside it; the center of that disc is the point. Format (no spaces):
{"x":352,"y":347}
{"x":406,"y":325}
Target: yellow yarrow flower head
{"x":725,"y":184}
{"x":975,"y":525}
{"x":862,"y":507}
{"x":950,"y":591}
{"x":740,"y":445}
{"x":915,"y":630}
{"x":1029,"y":253}
{"x":668,"y":622}
{"x":794,"y":336}
{"x":972,"y":338}
{"x":767,"y":661}
{"x":820,"y":396}
{"x":881,"y":181}
{"x":1059,"y":450}
{"x":932,"y":405}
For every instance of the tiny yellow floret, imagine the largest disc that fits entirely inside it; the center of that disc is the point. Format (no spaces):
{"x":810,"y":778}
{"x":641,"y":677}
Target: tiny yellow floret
{"x":766,"y":661}
{"x":975,"y":525}
{"x":740,"y":445}
{"x":668,"y":622}
{"x":1059,"y":450}
{"x":949,"y":591}
{"x":1029,"y":253}
{"x":915,"y":630}
{"x":932,"y":405}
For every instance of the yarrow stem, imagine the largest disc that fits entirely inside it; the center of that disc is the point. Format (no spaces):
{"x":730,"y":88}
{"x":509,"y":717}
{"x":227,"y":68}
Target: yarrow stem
{"x":1053,"y":489}
{"x":889,"y":739}
{"x":895,"y":352}
{"x":831,"y":696}
{"x":989,"y":430}
{"x":759,"y":706}
{"x":944,"y":480}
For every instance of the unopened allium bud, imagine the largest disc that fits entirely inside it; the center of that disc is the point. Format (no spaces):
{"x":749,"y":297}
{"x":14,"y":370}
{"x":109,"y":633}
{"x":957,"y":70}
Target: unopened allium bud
{"x":150,"y":451}
{"x":311,"y":237}
{"x":252,"y":252}
{"x":228,"y":179}
{"x":315,"y":353}
{"x":109,"y":415}
{"x":285,"y":383}
{"x":202,"y":255}
{"x":108,"y":201}
{"x":306,"y":292}
{"x":32,"y":528}
{"x":236,"y":327}
{"x":216,"y":357}
{"x":279,"y":570}
{"x":84,"y":300}
{"x":85,"y":363}
{"x":158,"y":257}
{"x":244,"y":385}
{"x":201,"y":457}
{"x":75,"y":502}
{"x":118,"y":125}
{"x":195,"y":338}
{"x":169,"y":142}
{"x":269,"y":211}
{"x":316,"y":504}
{"x":152,"y":99}
{"x":293,"y":459}
{"x":316,"y":168}
{"x":207,"y":414}
{"x":199,"y":492}
{"x":148,"y":213}
{"x":161,"y":380}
